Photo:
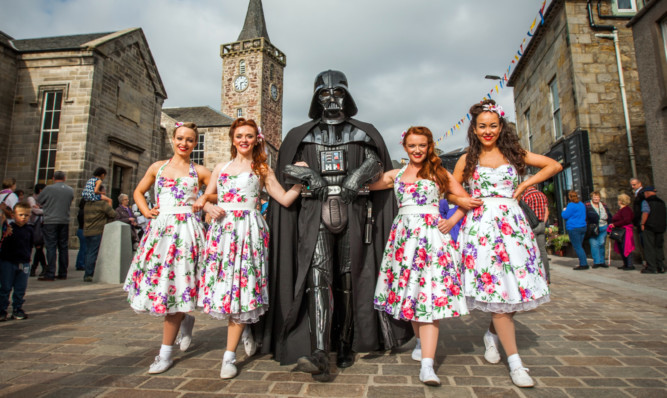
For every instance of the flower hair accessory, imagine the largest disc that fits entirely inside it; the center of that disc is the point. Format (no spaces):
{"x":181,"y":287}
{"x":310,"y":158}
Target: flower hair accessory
{"x":403,"y":136}
{"x":260,"y":136}
{"x":178,"y":124}
{"x":494,"y":108}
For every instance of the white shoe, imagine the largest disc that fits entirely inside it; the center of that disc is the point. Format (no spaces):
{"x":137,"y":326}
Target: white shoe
{"x":228,"y":369}
{"x":417,"y":354}
{"x":249,"y":344}
{"x":160,"y":365}
{"x":520,"y":378}
{"x":427,"y":376}
{"x":187,"y":324}
{"x":491,"y":354}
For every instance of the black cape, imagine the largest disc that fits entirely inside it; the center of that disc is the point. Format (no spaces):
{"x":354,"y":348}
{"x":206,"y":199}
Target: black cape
{"x":284,"y":330}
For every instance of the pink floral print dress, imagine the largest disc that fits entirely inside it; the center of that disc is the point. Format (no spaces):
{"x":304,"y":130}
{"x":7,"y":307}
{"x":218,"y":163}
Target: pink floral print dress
{"x":232,"y":281}
{"x":502,"y":268}
{"x":419,"y":278}
{"x":163,"y":274}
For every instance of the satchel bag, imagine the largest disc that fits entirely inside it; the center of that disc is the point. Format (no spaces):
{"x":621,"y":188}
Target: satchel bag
{"x":532,"y":219}
{"x":617,"y":234}
{"x":592,"y":230}
{"x":37,"y":234}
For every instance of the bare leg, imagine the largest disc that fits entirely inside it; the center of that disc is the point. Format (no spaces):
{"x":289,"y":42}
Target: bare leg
{"x":172,"y":323}
{"x":415,"y":328}
{"x":234,"y":331}
{"x":503,"y":326}
{"x":429,"y":337}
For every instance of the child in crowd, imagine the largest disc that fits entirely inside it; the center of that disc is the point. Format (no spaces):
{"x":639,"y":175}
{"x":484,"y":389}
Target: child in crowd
{"x":91,"y":192}
{"x":233,"y":281}
{"x":502,"y":270}
{"x":419,"y":279}
{"x":15,"y":262}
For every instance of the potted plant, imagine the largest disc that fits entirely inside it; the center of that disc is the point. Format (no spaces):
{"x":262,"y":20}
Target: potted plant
{"x":556,"y":240}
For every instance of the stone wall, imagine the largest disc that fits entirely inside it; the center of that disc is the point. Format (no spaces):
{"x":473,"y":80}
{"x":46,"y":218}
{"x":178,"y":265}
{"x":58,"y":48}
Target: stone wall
{"x":8,"y":76}
{"x":71,"y":72}
{"x":599,"y":104}
{"x":589,"y":93}
{"x":652,"y":68}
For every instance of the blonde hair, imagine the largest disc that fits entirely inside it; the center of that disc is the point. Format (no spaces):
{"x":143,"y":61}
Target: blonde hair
{"x":624,"y":199}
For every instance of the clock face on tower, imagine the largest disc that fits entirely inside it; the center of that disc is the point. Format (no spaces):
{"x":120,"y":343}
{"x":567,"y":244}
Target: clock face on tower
{"x":274,"y":92}
{"x":240,"y":83}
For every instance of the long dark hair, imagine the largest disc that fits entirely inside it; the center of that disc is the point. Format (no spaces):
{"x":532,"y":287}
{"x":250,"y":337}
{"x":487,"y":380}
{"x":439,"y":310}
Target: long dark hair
{"x":508,"y":142}
{"x":432,"y":167}
{"x":259,"y":165}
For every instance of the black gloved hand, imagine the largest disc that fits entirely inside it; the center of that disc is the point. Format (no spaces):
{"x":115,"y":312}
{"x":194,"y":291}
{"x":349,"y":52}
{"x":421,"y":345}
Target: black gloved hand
{"x":316,"y":184}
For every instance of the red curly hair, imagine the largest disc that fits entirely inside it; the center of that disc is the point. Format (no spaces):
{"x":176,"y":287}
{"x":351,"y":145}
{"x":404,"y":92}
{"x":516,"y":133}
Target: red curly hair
{"x":259,"y":165}
{"x":432,"y":168}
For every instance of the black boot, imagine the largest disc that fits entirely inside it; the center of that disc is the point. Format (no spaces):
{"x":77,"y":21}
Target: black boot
{"x":345,"y":357}
{"x":316,"y":364}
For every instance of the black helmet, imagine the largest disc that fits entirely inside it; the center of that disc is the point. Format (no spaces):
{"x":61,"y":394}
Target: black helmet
{"x":331,"y":79}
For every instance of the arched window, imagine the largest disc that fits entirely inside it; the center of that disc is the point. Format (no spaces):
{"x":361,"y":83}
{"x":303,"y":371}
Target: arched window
{"x":242,"y":67}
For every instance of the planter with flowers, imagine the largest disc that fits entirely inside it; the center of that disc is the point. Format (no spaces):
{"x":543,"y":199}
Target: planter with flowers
{"x":556,"y":241}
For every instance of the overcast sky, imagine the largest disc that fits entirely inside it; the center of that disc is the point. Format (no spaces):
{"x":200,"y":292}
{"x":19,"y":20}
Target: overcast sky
{"x":407,"y":62}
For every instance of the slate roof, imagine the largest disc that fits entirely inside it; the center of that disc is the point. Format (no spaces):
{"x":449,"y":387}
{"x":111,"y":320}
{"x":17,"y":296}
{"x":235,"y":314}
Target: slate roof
{"x":71,"y":42}
{"x":255,"y":25}
{"x":203,"y":116}
{"x":6,"y":39}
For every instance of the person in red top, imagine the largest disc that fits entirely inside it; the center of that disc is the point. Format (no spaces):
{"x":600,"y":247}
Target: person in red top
{"x":538,"y":202}
{"x":623,"y":218}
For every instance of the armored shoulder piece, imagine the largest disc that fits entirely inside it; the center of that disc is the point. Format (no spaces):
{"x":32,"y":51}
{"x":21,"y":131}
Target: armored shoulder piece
{"x":330,"y":135}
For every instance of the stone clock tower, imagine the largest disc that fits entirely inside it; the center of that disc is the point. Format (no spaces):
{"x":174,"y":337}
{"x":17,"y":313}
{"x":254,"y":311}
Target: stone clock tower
{"x":252,"y":78}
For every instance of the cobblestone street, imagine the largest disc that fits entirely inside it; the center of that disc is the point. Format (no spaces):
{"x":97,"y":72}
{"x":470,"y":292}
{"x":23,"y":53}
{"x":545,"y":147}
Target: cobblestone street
{"x":603,"y":335}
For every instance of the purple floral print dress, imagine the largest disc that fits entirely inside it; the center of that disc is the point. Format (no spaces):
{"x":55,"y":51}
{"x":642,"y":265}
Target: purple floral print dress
{"x":502,"y":268}
{"x":163,"y":274}
{"x":419,"y":278}
{"x":232,"y":281}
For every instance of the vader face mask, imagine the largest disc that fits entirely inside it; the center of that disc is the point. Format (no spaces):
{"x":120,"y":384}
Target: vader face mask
{"x":332,"y":100}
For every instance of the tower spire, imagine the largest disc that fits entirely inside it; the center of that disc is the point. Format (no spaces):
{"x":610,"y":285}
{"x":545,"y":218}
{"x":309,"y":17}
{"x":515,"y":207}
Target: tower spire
{"x":254,"y":25}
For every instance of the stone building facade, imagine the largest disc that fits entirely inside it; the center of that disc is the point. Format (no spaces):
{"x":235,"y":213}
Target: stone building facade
{"x":75,"y":103}
{"x":568,"y":99}
{"x":252,"y":78}
{"x":251,"y":87}
{"x":649,"y":30}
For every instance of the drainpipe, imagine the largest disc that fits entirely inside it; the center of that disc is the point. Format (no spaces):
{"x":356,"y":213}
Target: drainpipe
{"x":614,"y":36}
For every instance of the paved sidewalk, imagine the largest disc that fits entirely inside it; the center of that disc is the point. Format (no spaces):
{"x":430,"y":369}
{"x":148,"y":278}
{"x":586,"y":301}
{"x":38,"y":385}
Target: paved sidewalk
{"x":603,"y":335}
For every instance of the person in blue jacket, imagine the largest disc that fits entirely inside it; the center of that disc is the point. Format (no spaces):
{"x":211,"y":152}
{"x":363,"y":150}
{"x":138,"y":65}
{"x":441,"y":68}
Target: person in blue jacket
{"x":575,"y":225}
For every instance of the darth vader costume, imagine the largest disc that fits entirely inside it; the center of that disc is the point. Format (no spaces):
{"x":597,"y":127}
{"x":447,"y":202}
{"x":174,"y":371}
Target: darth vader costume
{"x":325,"y":249}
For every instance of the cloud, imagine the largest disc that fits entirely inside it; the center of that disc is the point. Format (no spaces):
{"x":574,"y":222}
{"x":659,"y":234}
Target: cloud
{"x":408,"y":63}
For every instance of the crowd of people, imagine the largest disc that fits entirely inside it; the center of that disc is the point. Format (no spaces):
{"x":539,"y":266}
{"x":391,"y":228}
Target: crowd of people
{"x":637,"y":227}
{"x":338,"y":235}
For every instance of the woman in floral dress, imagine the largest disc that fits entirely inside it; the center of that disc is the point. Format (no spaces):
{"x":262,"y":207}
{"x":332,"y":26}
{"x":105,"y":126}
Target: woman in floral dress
{"x":162,"y":277}
{"x":502,"y":270}
{"x":233,"y":280}
{"x":419,"y":279}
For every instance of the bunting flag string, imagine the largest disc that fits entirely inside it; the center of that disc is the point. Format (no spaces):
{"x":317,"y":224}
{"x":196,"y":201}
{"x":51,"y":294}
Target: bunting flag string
{"x":502,"y":82}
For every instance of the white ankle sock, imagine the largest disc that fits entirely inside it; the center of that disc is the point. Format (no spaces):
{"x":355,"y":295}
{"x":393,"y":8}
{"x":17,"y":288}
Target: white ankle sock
{"x":493,"y":336}
{"x":419,"y":344}
{"x":229,"y":356}
{"x":514,"y":362}
{"x":165,"y":351}
{"x":427,"y":362}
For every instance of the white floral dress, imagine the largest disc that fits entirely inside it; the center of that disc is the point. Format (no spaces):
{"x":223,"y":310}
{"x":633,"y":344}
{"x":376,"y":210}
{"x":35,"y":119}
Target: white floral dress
{"x":163,"y":275}
{"x":502,"y":269}
{"x":419,"y":278}
{"x":232,"y":280}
